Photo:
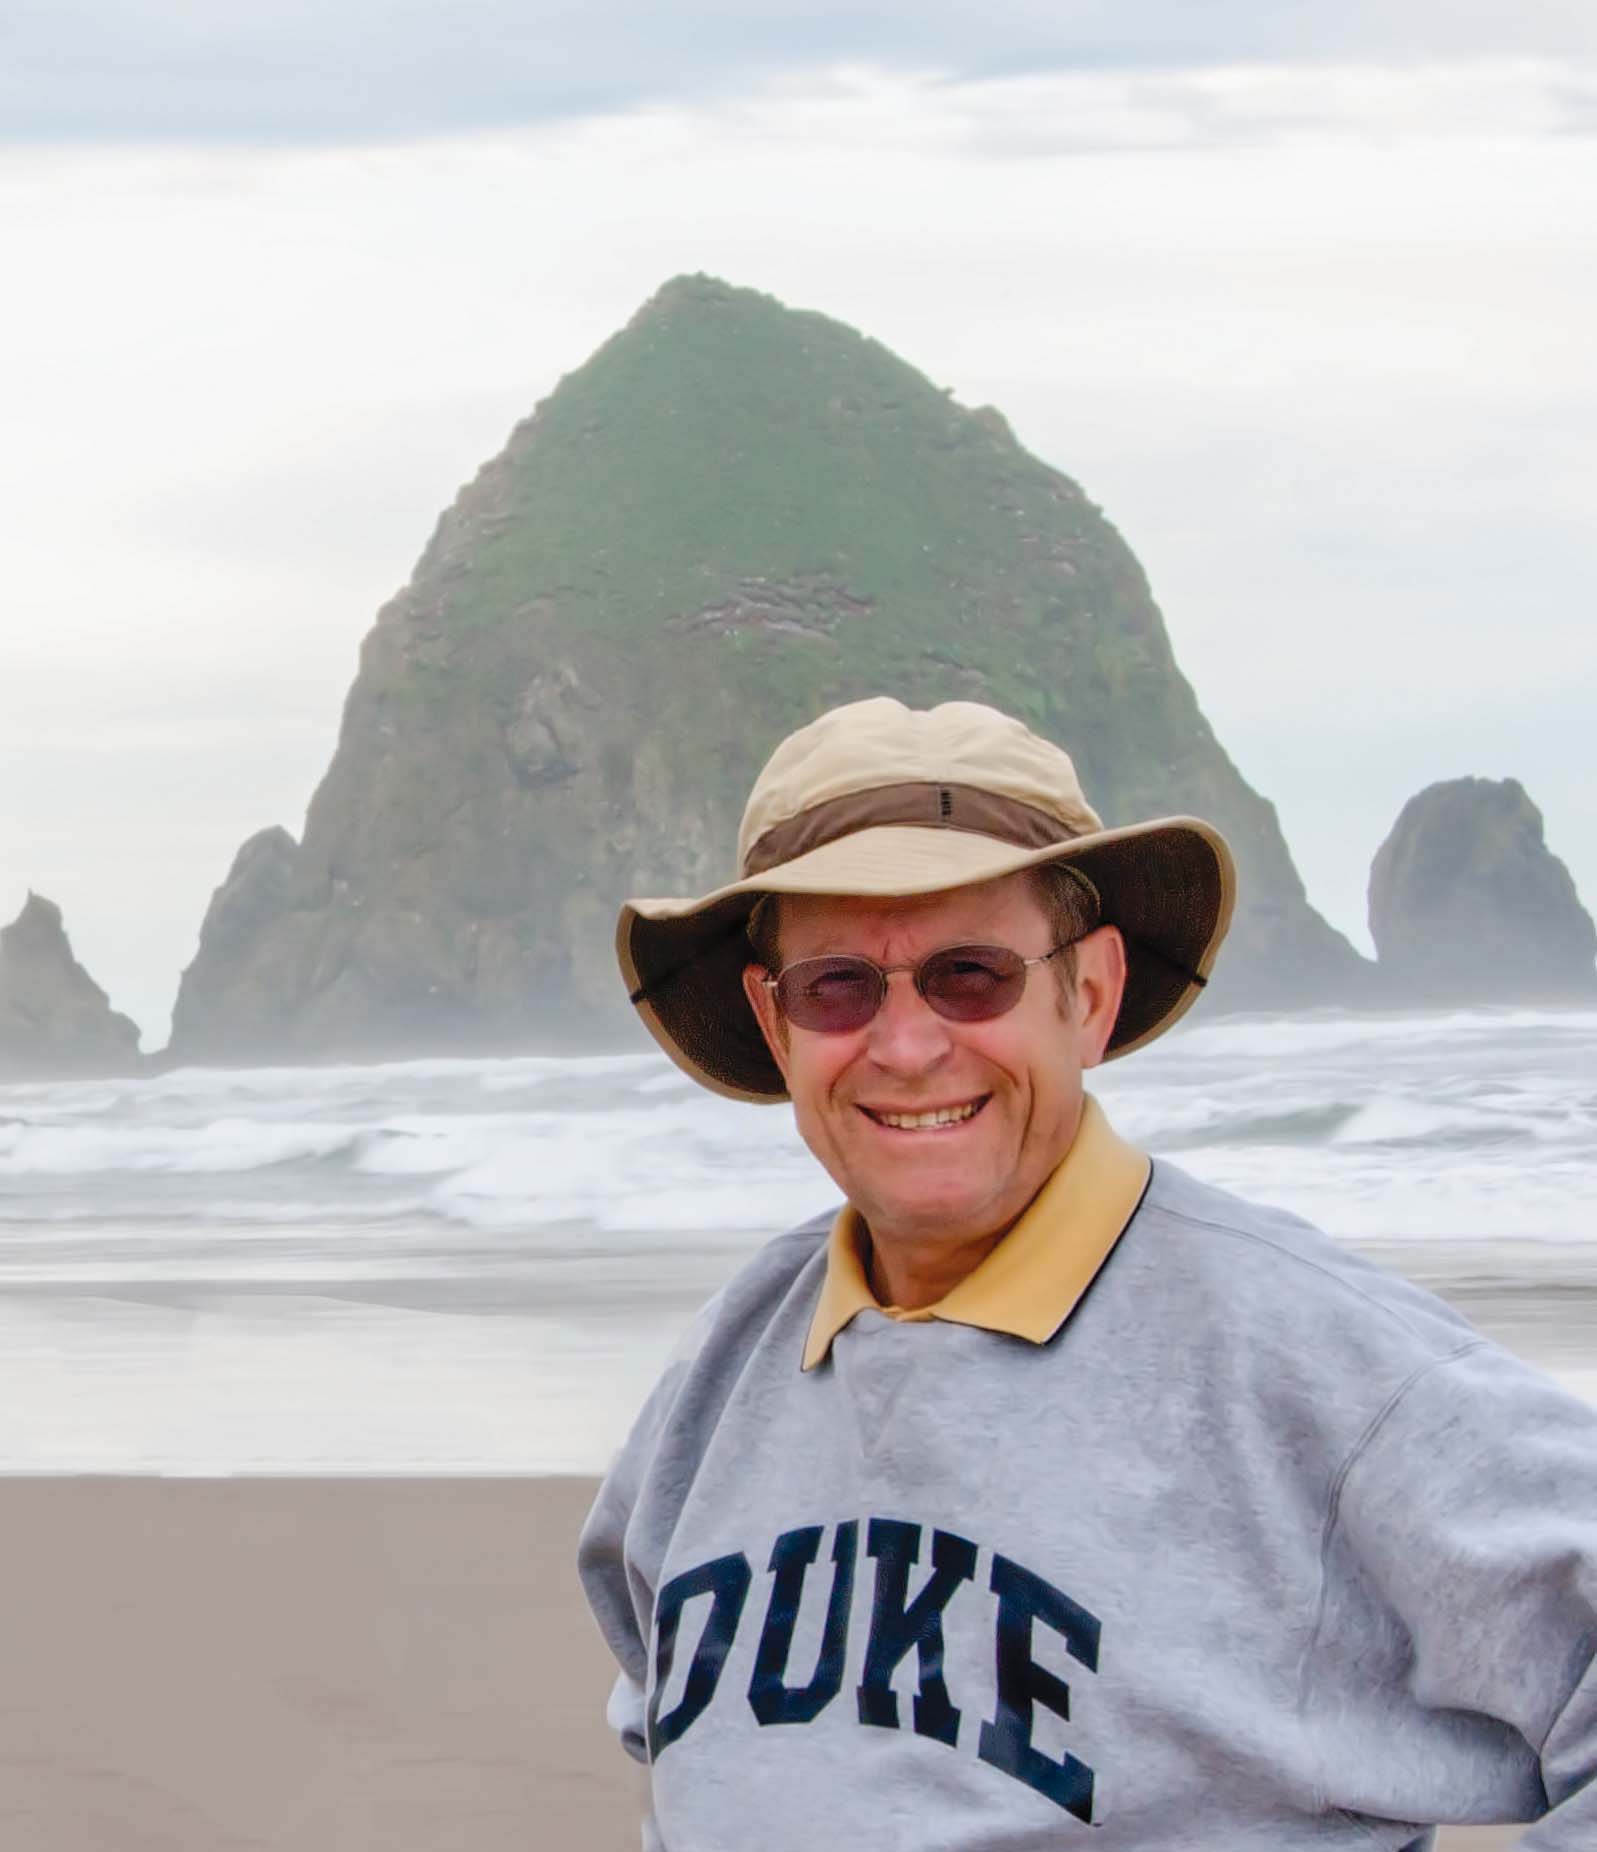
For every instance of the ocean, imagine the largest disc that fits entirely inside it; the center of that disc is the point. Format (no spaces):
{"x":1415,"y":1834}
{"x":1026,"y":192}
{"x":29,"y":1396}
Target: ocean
{"x":480,"y":1265}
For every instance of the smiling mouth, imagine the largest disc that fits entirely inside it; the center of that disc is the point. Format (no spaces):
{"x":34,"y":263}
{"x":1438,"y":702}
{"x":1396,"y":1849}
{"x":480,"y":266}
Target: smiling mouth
{"x":938,"y":1118}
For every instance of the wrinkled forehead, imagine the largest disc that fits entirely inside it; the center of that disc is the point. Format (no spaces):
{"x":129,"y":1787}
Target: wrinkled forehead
{"x":1004,"y":912}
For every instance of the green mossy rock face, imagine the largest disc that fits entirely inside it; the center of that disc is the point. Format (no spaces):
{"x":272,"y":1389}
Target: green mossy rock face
{"x":1469,"y":905}
{"x":733,"y":517}
{"x":54,"y":1018}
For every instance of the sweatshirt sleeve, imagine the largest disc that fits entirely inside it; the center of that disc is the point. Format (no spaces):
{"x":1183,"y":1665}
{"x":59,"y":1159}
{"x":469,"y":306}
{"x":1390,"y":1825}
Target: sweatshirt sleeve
{"x":621,"y":1605}
{"x":1469,"y":1509}
{"x":601,"y":1563}
{"x":617,"y":1592}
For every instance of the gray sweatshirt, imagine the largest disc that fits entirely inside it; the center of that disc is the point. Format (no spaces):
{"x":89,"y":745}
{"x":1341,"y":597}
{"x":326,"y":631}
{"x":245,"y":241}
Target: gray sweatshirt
{"x":1265,"y":1548}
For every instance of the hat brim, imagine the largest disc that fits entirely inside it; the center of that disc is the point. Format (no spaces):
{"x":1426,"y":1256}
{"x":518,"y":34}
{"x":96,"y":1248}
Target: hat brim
{"x":1168,"y":885}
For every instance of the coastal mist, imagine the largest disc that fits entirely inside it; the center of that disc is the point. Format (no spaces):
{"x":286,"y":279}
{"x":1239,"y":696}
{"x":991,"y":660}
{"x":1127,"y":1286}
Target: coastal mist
{"x":480,"y":1265}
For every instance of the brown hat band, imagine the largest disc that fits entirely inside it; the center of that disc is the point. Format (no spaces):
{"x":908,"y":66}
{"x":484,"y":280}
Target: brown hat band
{"x":931,"y":806}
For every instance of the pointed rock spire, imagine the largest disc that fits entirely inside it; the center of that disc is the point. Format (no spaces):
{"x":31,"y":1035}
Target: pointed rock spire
{"x":54,"y":1018}
{"x":735,"y":515}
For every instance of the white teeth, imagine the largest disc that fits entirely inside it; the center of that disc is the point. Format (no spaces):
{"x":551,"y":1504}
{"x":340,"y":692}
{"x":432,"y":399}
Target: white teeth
{"x":913,"y":1121}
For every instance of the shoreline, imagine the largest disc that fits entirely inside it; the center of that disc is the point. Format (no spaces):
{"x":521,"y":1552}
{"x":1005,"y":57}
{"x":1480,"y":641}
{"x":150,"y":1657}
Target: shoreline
{"x":272,"y":1386}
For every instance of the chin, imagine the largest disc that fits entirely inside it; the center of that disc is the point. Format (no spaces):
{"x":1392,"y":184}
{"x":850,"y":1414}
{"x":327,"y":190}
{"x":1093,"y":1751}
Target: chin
{"x":939,"y":1219}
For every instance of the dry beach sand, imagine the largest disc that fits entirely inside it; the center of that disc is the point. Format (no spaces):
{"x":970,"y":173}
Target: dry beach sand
{"x":309,"y":1665}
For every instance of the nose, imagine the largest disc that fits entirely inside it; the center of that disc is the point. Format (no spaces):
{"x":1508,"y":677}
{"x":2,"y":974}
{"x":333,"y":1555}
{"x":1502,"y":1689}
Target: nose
{"x":907,"y":1037}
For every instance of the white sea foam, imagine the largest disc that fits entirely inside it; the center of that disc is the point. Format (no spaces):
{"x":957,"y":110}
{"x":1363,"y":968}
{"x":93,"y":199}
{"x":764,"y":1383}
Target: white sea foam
{"x":662,"y":1167}
{"x":415,"y":1146}
{"x":1234,"y":1039}
{"x":223,"y":1145}
{"x":1394,"y":1120}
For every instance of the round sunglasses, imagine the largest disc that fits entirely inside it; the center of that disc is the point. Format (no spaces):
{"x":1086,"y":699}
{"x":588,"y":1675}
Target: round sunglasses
{"x":965,"y":983}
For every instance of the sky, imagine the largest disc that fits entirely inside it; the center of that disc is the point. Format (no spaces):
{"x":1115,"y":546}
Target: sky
{"x":1301,"y":295}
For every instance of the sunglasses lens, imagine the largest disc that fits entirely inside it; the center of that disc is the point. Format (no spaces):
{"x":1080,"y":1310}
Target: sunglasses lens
{"x":830,"y":994}
{"x":970,"y":983}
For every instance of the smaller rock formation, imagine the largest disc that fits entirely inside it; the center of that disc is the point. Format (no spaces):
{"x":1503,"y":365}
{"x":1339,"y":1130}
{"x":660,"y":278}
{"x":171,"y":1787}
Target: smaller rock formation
{"x":244,"y":913}
{"x":54,"y":1018}
{"x":1468,"y":904}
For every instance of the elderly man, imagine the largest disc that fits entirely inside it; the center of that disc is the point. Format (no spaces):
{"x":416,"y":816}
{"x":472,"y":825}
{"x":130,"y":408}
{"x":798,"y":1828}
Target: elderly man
{"x":1044,"y":1495}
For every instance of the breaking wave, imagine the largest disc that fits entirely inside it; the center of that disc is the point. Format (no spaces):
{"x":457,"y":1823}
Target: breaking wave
{"x":526,"y":1238}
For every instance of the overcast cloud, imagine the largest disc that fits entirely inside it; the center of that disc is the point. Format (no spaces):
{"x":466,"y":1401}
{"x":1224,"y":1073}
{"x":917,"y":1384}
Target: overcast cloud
{"x":361,"y":70}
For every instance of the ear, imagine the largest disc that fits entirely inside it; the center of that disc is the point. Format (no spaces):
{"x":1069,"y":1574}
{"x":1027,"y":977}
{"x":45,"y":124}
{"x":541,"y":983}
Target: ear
{"x":1100,"y":984}
{"x":773,"y":1025}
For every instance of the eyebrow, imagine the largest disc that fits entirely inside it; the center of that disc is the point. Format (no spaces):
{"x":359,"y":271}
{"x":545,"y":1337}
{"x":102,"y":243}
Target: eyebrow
{"x":942,"y":945}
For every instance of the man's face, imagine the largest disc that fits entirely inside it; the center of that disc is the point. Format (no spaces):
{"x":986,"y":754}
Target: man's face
{"x":960,"y":1183}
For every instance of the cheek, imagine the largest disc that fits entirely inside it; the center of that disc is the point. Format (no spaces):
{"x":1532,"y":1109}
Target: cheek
{"x":999,"y":1049}
{"x":818,"y":1081}
{"x":1035,"y":1059}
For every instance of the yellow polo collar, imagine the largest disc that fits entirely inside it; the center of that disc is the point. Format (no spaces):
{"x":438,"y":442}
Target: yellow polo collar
{"x":1033,"y":1280}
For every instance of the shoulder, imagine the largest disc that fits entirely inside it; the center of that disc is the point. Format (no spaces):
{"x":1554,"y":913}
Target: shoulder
{"x":1273,"y":1284}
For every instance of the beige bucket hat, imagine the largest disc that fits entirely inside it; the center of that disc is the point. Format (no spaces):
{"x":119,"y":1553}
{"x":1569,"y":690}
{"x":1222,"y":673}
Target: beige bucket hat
{"x":879,"y":799}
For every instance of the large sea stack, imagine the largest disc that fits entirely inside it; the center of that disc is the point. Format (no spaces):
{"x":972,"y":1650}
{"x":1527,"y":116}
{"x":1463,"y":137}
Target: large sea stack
{"x":1469,"y":905}
{"x":734,"y":516}
{"x":54,"y":1018}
